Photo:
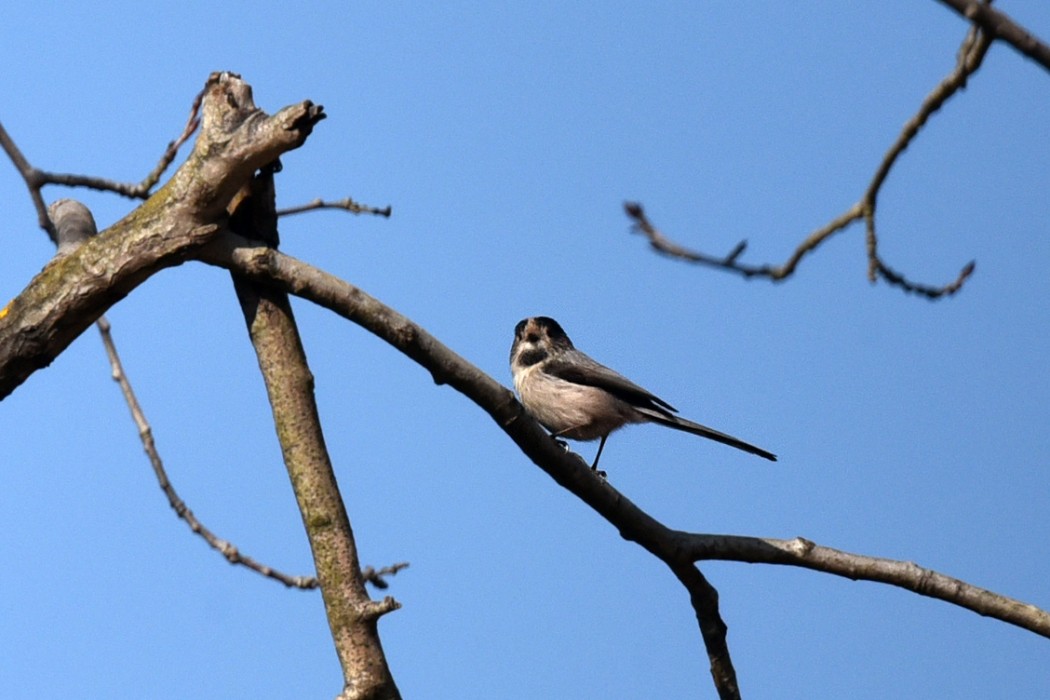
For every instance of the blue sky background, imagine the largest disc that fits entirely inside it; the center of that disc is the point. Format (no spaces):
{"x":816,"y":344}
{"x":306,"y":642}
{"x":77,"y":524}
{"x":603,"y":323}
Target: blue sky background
{"x":506,"y":140}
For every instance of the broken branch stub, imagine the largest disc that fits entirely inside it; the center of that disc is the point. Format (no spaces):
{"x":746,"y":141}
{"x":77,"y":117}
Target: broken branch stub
{"x":72,"y":291}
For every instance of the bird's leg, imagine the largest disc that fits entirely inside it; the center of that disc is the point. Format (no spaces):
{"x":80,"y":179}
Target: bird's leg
{"x":601,"y":446}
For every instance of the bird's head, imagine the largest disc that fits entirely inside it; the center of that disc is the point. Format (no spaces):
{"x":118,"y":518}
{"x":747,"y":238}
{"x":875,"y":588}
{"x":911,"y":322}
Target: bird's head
{"x":536,"y":339}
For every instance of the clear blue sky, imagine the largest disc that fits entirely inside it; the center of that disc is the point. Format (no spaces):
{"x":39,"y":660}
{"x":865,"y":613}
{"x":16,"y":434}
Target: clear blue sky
{"x":506,"y":140}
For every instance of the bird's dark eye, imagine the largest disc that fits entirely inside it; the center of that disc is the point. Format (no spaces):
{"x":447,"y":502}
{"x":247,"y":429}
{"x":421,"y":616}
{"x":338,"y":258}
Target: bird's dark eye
{"x":532,"y":338}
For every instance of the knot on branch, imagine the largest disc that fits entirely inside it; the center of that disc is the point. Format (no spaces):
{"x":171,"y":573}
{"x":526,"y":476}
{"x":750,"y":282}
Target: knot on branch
{"x":374,"y":609}
{"x":73,"y":224}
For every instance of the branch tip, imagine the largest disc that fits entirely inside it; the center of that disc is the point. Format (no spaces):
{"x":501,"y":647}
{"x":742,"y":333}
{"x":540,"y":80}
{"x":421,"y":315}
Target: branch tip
{"x":735,"y":253}
{"x":345,"y":204}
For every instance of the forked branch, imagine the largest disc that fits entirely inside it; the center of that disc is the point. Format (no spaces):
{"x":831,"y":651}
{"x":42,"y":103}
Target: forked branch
{"x":36,"y":179}
{"x":1001,"y":27}
{"x":74,"y":290}
{"x":676,"y":549}
{"x":971,"y":54}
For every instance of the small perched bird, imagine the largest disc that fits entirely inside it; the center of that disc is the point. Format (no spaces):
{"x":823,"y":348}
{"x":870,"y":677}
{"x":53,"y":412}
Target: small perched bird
{"x":575,"y":397}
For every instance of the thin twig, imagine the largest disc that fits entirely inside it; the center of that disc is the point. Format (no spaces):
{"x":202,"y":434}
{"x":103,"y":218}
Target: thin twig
{"x":666,"y":246}
{"x":971,"y":53}
{"x":142,"y":189}
{"x":346,"y":204}
{"x":1001,"y":27}
{"x":36,"y":179}
{"x":192,"y":122}
{"x":228,"y":550}
{"x":33,"y":179}
{"x":895,"y":278}
{"x":376,"y":578}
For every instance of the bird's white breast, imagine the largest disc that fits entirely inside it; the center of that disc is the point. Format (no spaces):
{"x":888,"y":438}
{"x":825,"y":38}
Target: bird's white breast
{"x":570,"y":410}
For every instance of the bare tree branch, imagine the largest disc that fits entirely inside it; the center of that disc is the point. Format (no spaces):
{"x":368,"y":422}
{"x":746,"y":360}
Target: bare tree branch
{"x":139,"y":190}
{"x":377,"y":578}
{"x":666,"y":246}
{"x":224,"y":547}
{"x":1001,"y":27}
{"x":352,"y":615}
{"x":268,"y":266}
{"x":89,"y":274}
{"x":185,"y":220}
{"x":33,"y":179}
{"x":74,"y":225}
{"x":346,"y":204}
{"x":271,"y":267}
{"x":908,"y":575}
{"x":676,"y":549}
{"x":76,"y":289}
{"x":568,"y":470}
{"x":971,"y":54}
{"x":713,"y":630}
{"x":36,"y":179}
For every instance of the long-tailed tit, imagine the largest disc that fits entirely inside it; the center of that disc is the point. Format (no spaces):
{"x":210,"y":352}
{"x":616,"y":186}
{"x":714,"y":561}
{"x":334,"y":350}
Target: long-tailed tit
{"x":575,"y":397}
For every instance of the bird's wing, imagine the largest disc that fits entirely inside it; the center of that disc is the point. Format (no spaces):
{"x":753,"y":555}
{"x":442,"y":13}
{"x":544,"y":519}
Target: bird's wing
{"x":581,"y":369}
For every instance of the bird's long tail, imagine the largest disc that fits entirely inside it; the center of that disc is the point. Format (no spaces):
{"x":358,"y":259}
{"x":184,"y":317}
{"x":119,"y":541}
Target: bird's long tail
{"x":672,"y":421}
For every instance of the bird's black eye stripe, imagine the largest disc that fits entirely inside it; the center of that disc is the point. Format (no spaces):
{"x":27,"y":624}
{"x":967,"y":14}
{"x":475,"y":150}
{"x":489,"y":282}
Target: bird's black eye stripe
{"x":531,"y":356}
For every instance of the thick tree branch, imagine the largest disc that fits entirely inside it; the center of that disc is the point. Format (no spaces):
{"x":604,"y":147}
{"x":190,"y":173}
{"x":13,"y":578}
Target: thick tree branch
{"x":713,"y":630}
{"x":352,"y":615}
{"x":74,"y":290}
{"x":268,"y":266}
{"x":568,"y":470}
